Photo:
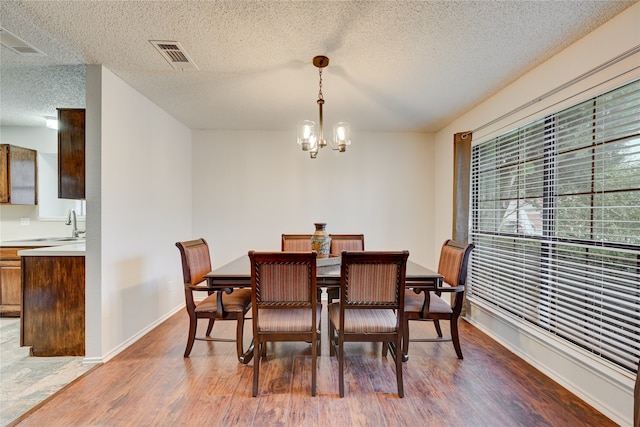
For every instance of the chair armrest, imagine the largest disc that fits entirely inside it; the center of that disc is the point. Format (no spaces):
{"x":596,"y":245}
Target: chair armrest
{"x":201,"y":288}
{"x":458,"y":291}
{"x":450,"y":289}
{"x":197,"y":287}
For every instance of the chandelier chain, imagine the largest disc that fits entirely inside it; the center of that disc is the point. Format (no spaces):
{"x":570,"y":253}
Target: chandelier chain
{"x":320,"y":85}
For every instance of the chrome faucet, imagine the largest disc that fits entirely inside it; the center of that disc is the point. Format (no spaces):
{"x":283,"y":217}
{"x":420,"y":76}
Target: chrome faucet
{"x":71,"y":220}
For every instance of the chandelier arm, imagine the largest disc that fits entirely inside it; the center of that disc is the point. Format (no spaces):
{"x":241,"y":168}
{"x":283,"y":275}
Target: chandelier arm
{"x":331,"y":146}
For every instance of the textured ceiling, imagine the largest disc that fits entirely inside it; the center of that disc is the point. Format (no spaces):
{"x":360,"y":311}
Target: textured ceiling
{"x":395,"y":65}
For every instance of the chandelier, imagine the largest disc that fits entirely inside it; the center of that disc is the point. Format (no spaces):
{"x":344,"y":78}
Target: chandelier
{"x":312,"y":139}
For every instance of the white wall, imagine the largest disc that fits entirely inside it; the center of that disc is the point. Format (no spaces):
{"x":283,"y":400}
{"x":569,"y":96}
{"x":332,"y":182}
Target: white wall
{"x":608,"y":389}
{"x":250,"y":187}
{"x":47,"y":218}
{"x":139,"y":205}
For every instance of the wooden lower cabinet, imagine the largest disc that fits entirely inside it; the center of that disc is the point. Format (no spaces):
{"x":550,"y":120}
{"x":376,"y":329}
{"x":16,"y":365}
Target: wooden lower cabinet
{"x":10,"y":281}
{"x":53,"y":319}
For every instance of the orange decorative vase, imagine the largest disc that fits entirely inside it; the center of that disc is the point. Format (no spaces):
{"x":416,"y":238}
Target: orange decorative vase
{"x":320,"y":240}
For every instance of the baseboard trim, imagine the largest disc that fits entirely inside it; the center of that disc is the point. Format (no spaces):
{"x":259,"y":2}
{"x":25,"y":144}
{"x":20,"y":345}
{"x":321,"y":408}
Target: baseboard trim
{"x":124,"y":345}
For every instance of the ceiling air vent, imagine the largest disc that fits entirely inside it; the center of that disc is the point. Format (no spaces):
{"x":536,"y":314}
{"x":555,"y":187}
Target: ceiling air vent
{"x":174,"y":54}
{"x":16,"y":44}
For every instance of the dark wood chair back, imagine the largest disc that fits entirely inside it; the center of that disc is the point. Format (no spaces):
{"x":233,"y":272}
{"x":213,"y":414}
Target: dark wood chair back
{"x":454,"y":260}
{"x":196,"y":262}
{"x":346,"y":242}
{"x":296,"y":242}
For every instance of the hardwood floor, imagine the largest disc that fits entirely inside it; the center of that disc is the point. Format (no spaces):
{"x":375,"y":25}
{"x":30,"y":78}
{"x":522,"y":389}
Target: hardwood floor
{"x":151,"y":384}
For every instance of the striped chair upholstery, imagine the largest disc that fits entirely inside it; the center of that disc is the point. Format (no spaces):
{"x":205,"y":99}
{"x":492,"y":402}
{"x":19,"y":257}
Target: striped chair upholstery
{"x":346,"y":242}
{"x":196,"y":262}
{"x":296,"y":242}
{"x":451,"y":258}
{"x":340,"y":243}
{"x":371,"y":305}
{"x":284,"y":302}
{"x":454,"y":258}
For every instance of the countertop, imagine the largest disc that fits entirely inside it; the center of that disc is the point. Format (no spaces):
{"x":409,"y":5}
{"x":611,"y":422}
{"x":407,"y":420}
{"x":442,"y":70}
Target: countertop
{"x":49,"y":246}
{"x":78,"y":249}
{"x":43,"y":241}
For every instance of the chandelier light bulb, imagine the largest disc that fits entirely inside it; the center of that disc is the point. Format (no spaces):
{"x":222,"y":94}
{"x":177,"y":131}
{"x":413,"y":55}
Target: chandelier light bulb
{"x":307,"y":134}
{"x":341,"y":135}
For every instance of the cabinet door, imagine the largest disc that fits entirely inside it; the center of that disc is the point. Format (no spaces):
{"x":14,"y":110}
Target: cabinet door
{"x":23,"y":175}
{"x":4,"y":173}
{"x":71,"y":153}
{"x":10,"y":282}
{"x":18,"y":175}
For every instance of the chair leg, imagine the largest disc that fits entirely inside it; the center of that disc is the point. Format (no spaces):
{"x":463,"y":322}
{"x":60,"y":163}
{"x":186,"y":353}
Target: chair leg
{"x":193,"y":324}
{"x":341,"y":366}
{"x":332,"y":331}
{"x":240,"y":335}
{"x":436,"y":323}
{"x":256,"y":365}
{"x":455,"y":338}
{"x":314,"y":354}
{"x":385,"y":349}
{"x":405,"y":341}
{"x":398,"y":360}
{"x":210,"y":326}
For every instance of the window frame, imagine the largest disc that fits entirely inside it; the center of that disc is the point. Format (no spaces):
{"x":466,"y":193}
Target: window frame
{"x":542,"y":273}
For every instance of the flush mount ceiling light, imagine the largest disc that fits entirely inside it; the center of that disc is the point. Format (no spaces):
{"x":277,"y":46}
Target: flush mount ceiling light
{"x":312,"y":139}
{"x":51,"y":122}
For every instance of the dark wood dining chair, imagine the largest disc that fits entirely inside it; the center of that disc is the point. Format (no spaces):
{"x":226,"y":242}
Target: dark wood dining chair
{"x":430,"y":306}
{"x":371,"y":306}
{"x":196,"y":262}
{"x":285,"y":307}
{"x":296,"y":242}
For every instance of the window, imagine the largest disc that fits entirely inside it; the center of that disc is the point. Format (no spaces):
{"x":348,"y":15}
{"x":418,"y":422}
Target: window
{"x":556,"y":223}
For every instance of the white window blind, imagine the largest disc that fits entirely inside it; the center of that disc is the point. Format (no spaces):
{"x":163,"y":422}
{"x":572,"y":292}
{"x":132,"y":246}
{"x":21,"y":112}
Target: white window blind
{"x":556,"y":224}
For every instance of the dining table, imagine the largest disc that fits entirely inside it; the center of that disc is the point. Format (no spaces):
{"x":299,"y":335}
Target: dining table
{"x":237,"y":274}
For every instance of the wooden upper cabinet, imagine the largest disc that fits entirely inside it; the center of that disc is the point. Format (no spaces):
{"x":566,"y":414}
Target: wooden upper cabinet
{"x":71,"y":153}
{"x":18,"y":175}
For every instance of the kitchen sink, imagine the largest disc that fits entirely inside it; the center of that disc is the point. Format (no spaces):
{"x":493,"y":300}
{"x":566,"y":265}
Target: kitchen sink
{"x":31,"y":240}
{"x":54,"y":239}
{"x":69,"y":239}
